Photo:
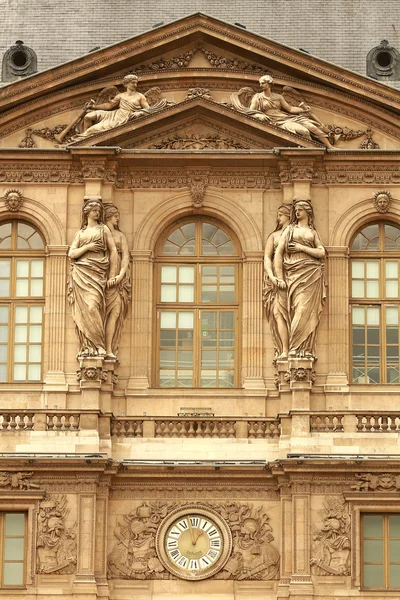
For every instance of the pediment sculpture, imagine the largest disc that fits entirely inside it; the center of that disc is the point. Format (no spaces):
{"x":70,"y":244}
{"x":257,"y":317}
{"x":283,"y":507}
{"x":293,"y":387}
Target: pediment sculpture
{"x":111,"y":109}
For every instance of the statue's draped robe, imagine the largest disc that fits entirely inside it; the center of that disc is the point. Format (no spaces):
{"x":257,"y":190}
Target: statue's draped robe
{"x":108,"y":119}
{"x":271,"y":107}
{"x":275,"y":302}
{"x":306,"y":289}
{"x":117,"y":298}
{"x":86,"y":291}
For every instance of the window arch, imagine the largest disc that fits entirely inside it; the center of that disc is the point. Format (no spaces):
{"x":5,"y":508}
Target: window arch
{"x":197,"y":304}
{"x":375,"y":303}
{"x":21,"y":302}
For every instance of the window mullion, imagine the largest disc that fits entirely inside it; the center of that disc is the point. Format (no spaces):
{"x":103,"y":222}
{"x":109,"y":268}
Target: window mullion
{"x":386,"y":550}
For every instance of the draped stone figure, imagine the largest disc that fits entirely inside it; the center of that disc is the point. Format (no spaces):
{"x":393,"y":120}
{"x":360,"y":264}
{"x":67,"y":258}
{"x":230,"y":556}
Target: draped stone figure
{"x":93,"y":267}
{"x":299,"y":261}
{"x":274,"y":289}
{"x":119,"y":292}
{"x":275,"y":109}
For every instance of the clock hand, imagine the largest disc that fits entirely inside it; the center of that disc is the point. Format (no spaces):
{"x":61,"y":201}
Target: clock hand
{"x":199,"y":533}
{"x":192,"y":535}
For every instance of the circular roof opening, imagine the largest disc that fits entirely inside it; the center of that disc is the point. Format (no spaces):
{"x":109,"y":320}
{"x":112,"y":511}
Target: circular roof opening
{"x":384,"y":59}
{"x":20,"y":58}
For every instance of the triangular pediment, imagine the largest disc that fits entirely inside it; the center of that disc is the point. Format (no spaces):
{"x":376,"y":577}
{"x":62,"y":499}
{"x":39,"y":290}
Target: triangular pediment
{"x":203,"y":53}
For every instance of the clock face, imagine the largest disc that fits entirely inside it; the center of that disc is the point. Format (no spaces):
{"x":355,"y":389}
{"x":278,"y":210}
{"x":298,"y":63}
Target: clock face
{"x":194,"y":544}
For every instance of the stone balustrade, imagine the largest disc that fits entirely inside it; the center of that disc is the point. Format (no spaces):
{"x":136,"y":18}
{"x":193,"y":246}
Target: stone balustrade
{"x":326,"y":422}
{"x":20,"y":420}
{"x":355,"y":421}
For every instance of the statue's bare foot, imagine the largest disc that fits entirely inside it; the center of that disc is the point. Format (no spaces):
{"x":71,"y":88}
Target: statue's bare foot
{"x":101,"y":351}
{"x":293,"y":354}
{"x":111,"y":355}
{"x":283,"y":356}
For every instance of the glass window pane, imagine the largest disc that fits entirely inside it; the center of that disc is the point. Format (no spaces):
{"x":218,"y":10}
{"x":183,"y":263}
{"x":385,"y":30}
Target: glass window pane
{"x":22,"y":288}
{"x":36,"y":287}
{"x":167,"y":358}
{"x":372,"y":289}
{"x":358,"y":269}
{"x":220,"y":238}
{"x":185,"y":359}
{"x":392,"y":315}
{"x":37,"y":268}
{"x":19,"y":372}
{"x":4,"y":288}
{"x":208,"y":378}
{"x":185,"y":320}
{"x":168,"y":320}
{"x":373,"y":316}
{"x":186,"y":293}
{"x":391,"y":268}
{"x":3,"y":353}
{"x":36,"y":242}
{"x":373,"y":355}
{"x":168,"y":274}
{"x":15,"y":524}
{"x":372,"y":269}
{"x":227,"y":293}
{"x":3,"y":314}
{"x":357,"y":289}
{"x":373,"y":335}
{"x":34,"y":373}
{"x":363,"y":239}
{"x":392,"y":354}
{"x":20,"y":353}
{"x":189,"y":230}
{"x":188,"y":249}
{"x":36,"y":314}
{"x":358,"y":315}
{"x":35,"y":353}
{"x":208,"y":358}
{"x":394,"y":526}
{"x":5,"y":232}
{"x":168,"y":293}
{"x":208,"y":320}
{"x":4,"y":268}
{"x":226,"y":359}
{"x":373,"y":375}
{"x":209,"y":293}
{"x":392,"y":289}
{"x":177,"y":237}
{"x":208,"y":230}
{"x":21,"y":314}
{"x":394,"y":576}
{"x":226,"y":249}
{"x":3,"y":333}
{"x":22,"y":244}
{"x":167,"y":378}
{"x":373,"y":575}
{"x":185,"y":378}
{"x":21,"y":333}
{"x":358,"y":335}
{"x":208,"y":248}
{"x":392,"y":375}
{"x":167,"y":338}
{"x":3,"y":372}
{"x":170,"y":249}
{"x":226,"y":320}
{"x":226,"y":338}
{"x":22,"y":268}
{"x":208,"y":338}
{"x":14,"y":549}
{"x":186,"y":274}
{"x":225,"y":379}
{"x":185,"y":338}
{"x":373,"y":526}
{"x":14,"y":573}
{"x":373,"y":551}
{"x":394,"y":551}
{"x":35,"y":333}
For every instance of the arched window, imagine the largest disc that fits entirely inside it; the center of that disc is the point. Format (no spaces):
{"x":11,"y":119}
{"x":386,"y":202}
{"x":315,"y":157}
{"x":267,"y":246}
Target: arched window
{"x":21,"y":302}
{"x":197,"y":303}
{"x":375,"y":300}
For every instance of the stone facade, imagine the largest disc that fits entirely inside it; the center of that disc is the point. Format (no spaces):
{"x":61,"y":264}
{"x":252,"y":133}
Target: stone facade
{"x":289,"y":451}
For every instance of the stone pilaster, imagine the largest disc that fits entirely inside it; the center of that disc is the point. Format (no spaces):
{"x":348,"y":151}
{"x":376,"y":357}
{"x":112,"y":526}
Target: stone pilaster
{"x":100,"y":563}
{"x":337,"y":379}
{"x":56,"y":291}
{"x":252,"y":320}
{"x":286,"y":540}
{"x":142,"y":307}
{"x":85,"y":581}
{"x":300,"y":582}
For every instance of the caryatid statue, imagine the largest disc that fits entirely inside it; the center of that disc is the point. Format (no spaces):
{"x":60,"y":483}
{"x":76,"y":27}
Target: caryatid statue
{"x":93,"y":268}
{"x":118,"y":293}
{"x":299,"y":263}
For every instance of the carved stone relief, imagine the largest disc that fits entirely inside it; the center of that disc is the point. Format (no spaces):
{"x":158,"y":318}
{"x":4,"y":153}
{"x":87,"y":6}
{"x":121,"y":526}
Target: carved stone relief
{"x":253,"y":556}
{"x":17,"y":481}
{"x":331,"y":547}
{"x":382,"y":201}
{"x":56,"y":544}
{"x":377,"y":482}
{"x":13,"y":199}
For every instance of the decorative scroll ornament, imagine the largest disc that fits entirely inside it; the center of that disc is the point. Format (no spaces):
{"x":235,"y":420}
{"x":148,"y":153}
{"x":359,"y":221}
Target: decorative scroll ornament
{"x":331,"y":548}
{"x":382,"y":201}
{"x":199,"y":92}
{"x":13,"y":199}
{"x":56,"y":545}
{"x":17,"y":481}
{"x":197,"y":182}
{"x":198,"y":141}
{"x":387,"y":482}
{"x":46,"y":133}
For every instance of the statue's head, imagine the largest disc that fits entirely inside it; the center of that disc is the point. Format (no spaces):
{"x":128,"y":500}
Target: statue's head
{"x":382,"y":201}
{"x":282,"y":216}
{"x":110,"y":211}
{"x":89,"y":205}
{"x":266,"y":79}
{"x":302,"y":205}
{"x":13,"y":200}
{"x":131,"y":78}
